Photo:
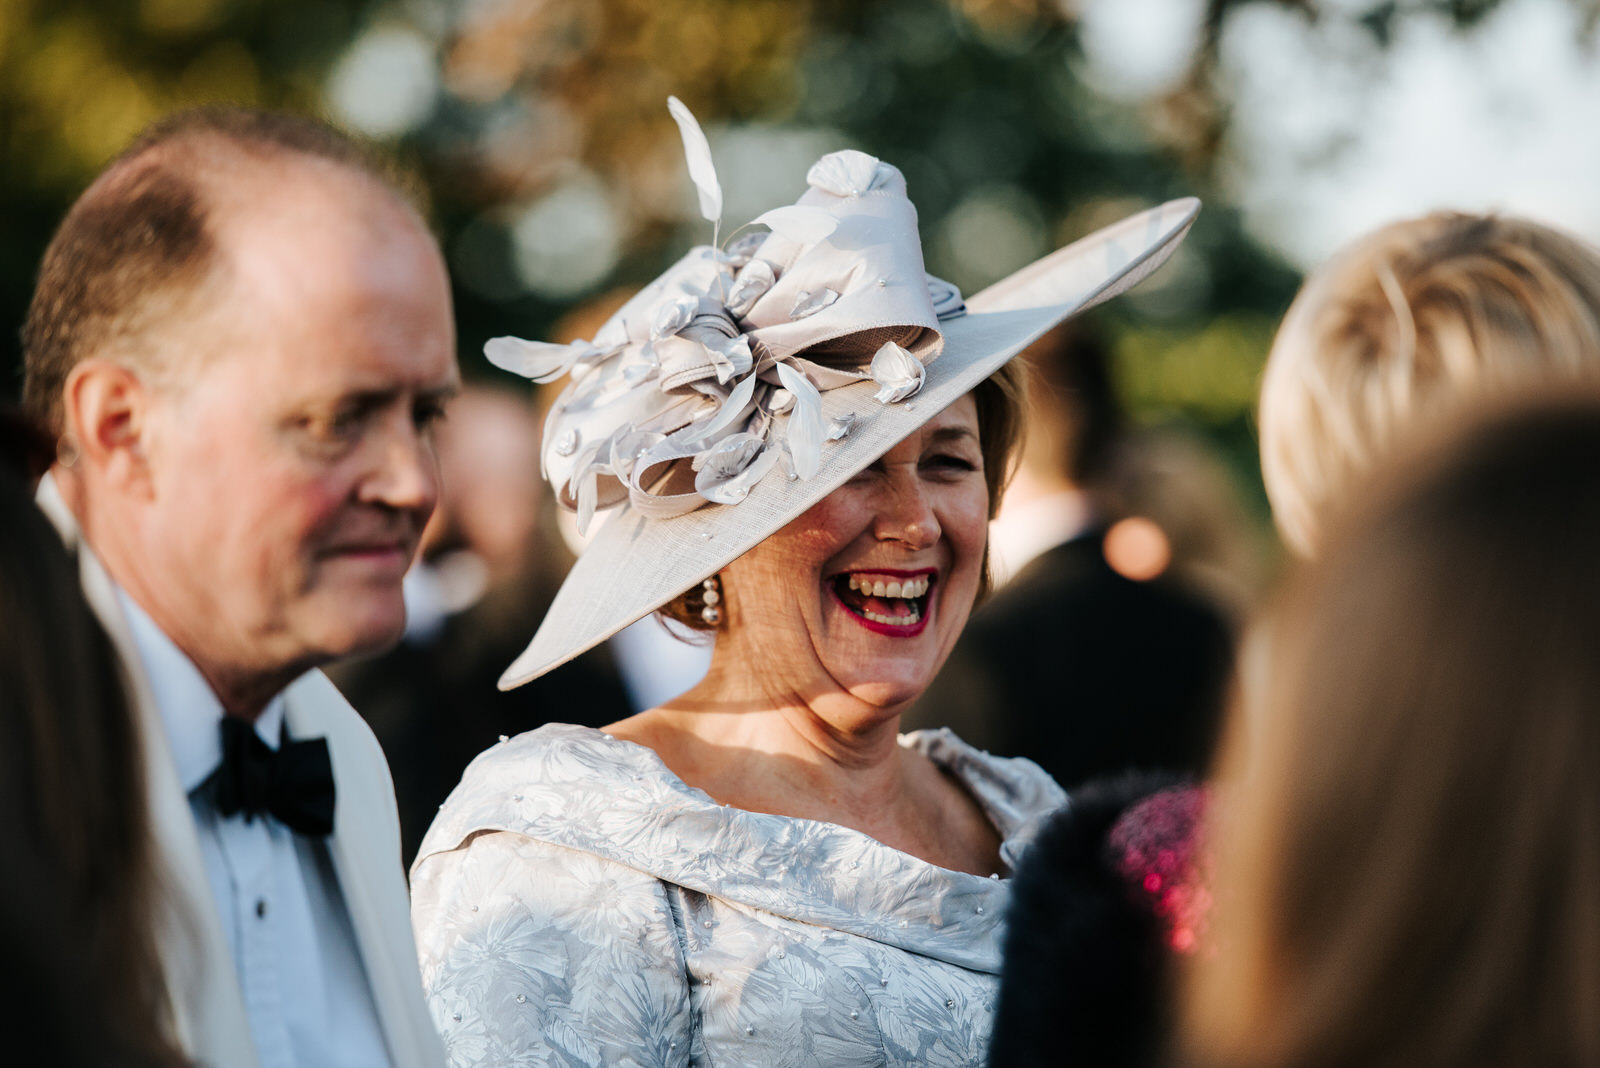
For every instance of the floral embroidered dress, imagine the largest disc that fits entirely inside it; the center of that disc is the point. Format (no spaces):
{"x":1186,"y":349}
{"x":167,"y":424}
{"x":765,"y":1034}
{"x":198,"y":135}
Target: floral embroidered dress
{"x":576,"y":903}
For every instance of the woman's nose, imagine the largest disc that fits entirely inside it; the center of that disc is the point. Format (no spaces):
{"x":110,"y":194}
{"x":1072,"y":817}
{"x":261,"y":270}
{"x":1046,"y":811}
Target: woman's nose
{"x":906,"y":514}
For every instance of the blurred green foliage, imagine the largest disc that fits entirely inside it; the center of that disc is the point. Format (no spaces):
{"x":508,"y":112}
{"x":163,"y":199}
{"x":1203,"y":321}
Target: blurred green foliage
{"x":79,"y":78}
{"x":983,"y":103}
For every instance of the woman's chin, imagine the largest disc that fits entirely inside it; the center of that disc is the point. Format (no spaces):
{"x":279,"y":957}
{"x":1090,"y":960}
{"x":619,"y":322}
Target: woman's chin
{"x":883,"y":672}
{"x":892,"y":695}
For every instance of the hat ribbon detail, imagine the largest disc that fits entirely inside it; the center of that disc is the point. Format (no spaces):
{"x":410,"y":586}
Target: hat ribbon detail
{"x":713,"y":373}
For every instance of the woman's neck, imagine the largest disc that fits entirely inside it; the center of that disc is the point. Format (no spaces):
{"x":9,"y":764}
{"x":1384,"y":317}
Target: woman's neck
{"x":826,"y":758}
{"x":767,"y":754}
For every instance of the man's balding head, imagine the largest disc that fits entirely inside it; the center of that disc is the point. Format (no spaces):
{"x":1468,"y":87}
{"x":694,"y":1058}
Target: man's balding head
{"x":142,"y":254}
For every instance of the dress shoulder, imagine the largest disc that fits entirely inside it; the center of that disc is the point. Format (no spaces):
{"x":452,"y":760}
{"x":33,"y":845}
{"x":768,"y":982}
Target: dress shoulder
{"x":547,"y":769}
{"x":534,"y":953}
{"x":534,"y":950}
{"x":1016,"y":794}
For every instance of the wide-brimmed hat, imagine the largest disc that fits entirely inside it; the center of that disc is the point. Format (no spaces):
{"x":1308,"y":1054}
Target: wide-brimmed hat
{"x":750,"y":381}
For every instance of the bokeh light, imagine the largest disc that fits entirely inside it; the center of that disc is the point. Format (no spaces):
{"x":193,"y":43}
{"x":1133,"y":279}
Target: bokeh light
{"x":993,"y":231}
{"x":567,"y":242}
{"x":385,"y":85}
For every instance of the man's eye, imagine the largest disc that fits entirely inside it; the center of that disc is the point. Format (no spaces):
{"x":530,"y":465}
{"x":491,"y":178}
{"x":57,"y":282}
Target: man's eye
{"x":337,"y":425}
{"x":426,"y":415}
{"x":333,"y":428}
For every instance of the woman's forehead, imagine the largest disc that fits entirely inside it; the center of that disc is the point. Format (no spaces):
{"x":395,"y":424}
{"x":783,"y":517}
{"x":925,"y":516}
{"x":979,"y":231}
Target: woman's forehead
{"x":956,"y":424}
{"x":962,"y":415}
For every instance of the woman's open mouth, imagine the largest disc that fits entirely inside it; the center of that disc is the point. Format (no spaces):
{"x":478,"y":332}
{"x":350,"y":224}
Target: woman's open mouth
{"x":886,"y":602}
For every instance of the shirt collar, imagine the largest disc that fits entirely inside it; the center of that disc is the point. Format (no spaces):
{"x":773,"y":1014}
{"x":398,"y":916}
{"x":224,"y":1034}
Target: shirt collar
{"x":190,"y":710}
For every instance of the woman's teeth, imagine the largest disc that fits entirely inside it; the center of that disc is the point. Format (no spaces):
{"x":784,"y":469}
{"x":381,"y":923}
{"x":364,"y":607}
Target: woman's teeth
{"x":878,"y":587}
{"x":908,"y":592}
{"x":910,"y":618}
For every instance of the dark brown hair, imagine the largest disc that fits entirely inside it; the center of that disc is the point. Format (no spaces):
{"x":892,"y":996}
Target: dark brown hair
{"x":79,"y":892}
{"x":1408,"y":863}
{"x":1001,"y":400}
{"x":141,"y":241}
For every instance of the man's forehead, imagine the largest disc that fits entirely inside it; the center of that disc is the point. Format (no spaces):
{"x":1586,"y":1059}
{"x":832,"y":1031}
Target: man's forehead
{"x":330,"y":287}
{"x":313,"y":232}
{"x":300,"y":198}
{"x":287,"y":383}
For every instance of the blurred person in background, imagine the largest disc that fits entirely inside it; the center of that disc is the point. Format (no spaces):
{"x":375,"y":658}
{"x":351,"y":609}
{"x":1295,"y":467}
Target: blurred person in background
{"x":1403,"y":326}
{"x":1106,"y":659}
{"x":80,"y":888}
{"x":1183,"y":522}
{"x":241,"y":338}
{"x":1406,"y":867}
{"x":489,"y":565}
{"x":1094,"y":657}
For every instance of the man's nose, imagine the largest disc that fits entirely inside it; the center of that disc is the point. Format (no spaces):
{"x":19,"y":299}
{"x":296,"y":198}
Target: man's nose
{"x":405,"y":471}
{"x":905,"y":513}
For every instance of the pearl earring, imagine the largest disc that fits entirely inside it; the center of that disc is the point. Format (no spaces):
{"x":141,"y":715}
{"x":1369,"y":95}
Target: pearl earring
{"x":711,"y":595}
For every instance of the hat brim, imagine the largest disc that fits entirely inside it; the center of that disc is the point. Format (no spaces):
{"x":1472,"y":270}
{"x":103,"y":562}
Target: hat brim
{"x":634,"y":565}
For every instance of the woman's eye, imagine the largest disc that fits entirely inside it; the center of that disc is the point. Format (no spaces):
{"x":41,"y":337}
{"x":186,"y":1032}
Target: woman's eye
{"x":866,"y":474}
{"x":950,"y":462}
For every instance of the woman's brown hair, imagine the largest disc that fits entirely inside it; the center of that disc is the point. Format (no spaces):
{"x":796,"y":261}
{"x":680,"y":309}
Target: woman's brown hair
{"x":77,"y":898}
{"x":1408,"y":851}
{"x":1001,"y":400}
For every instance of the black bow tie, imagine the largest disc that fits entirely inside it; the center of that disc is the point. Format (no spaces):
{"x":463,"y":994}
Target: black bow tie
{"x":294,"y":782}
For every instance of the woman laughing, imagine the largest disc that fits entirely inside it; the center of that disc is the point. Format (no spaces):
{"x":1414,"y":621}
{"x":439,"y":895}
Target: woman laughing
{"x":808,"y":434}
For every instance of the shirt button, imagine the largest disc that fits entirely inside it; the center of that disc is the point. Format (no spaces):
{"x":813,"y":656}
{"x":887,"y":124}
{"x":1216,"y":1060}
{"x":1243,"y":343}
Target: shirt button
{"x":261,"y":908}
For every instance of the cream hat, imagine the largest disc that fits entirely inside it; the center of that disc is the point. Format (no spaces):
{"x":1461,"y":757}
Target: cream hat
{"x":748,"y":382}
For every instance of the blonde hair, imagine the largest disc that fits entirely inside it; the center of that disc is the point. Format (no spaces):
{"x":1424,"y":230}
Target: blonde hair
{"x":1401,"y":326}
{"x":1406,"y":872}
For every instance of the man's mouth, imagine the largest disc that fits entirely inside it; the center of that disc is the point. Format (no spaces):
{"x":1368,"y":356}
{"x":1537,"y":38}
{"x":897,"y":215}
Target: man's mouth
{"x":373,"y":549}
{"x":384,"y":552}
{"x":888,"y":602}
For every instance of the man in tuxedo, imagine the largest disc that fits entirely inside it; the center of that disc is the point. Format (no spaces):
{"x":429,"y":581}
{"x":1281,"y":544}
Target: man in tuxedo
{"x":242,"y":336}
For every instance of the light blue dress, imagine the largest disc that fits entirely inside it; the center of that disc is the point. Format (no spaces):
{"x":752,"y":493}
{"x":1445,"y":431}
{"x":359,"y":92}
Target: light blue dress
{"x":576,"y":903}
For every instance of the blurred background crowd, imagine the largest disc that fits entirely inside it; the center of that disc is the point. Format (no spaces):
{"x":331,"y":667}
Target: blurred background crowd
{"x":540,"y":138}
{"x":1357,"y":919}
{"x":538,"y":131}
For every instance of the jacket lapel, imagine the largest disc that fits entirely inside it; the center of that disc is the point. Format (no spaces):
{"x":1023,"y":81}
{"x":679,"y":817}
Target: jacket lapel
{"x":365,"y":850}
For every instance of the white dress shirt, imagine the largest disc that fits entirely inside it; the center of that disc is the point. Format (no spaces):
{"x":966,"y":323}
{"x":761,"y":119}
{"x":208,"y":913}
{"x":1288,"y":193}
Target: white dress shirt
{"x":305,"y":988}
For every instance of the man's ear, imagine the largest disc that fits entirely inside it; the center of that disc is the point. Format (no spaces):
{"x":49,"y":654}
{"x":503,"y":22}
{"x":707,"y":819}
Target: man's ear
{"x":107,"y":409}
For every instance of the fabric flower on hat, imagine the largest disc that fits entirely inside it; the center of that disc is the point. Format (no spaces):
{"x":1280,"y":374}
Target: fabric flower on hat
{"x":713,"y":373}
